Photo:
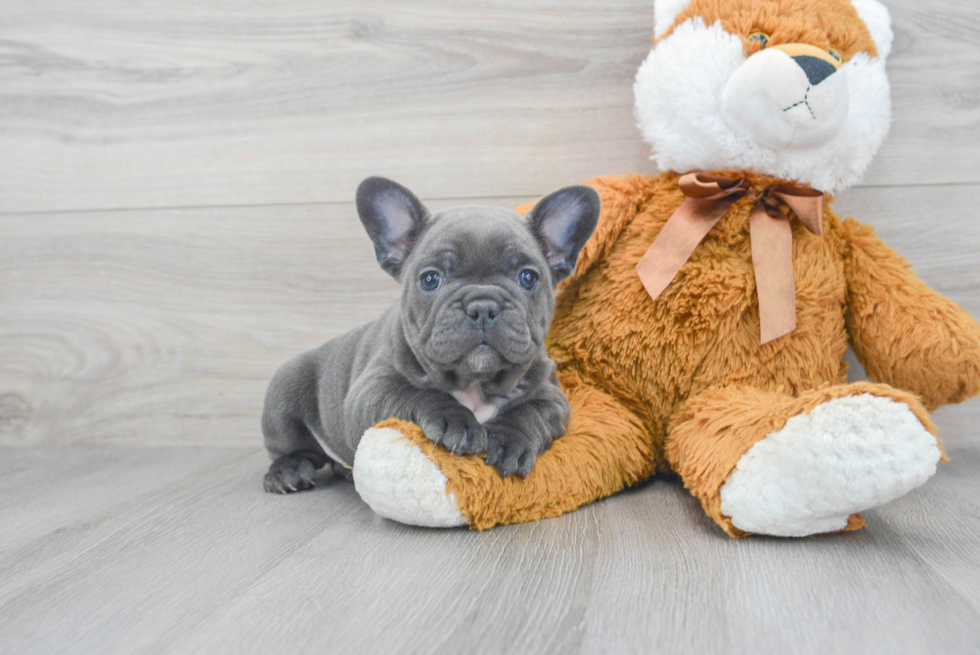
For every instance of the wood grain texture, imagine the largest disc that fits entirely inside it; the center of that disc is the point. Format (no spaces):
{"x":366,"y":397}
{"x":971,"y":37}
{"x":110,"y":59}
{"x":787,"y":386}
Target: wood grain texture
{"x":207,"y":562}
{"x":55,"y":504}
{"x":192,"y":103}
{"x":130,"y":104}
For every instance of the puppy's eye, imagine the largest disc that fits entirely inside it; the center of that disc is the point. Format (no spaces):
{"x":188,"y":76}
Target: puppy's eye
{"x":760,"y":37}
{"x":430,"y":281}
{"x":834,"y":53}
{"x":528,"y":279}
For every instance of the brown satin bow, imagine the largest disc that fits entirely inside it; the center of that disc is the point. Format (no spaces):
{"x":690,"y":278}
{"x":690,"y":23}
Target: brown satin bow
{"x":708,"y":199}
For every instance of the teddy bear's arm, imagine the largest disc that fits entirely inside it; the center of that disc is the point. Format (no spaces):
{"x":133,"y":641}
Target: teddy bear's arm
{"x":404,"y":476}
{"x":904,"y":333}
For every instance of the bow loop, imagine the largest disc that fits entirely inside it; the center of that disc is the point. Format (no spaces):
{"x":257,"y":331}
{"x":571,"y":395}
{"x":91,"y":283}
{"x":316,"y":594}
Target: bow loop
{"x":708,"y":199}
{"x":712,"y":187}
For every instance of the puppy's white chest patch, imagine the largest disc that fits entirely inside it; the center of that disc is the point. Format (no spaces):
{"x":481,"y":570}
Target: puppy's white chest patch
{"x":472,"y":398}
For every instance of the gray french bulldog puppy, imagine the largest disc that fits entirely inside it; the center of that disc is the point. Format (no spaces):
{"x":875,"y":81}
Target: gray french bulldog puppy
{"x":462,"y":354}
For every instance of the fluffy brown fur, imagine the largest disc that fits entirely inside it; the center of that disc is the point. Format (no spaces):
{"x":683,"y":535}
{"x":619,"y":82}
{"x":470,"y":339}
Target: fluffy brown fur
{"x":682,"y":383}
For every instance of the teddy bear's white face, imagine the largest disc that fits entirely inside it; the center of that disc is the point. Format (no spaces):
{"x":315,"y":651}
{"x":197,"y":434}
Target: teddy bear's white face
{"x":709,"y":97}
{"x":787,"y":97}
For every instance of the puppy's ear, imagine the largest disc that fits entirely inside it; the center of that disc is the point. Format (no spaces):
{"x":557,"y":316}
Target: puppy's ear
{"x":562,"y":222}
{"x":392,"y":216}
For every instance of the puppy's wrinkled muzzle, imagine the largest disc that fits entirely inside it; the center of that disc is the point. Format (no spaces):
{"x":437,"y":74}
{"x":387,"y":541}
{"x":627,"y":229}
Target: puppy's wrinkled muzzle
{"x":480,"y":331}
{"x":787,"y":96}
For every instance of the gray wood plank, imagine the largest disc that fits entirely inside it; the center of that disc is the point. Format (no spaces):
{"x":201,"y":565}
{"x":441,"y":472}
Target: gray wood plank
{"x":33,"y":483}
{"x":213,"y":564}
{"x":182,"y":551}
{"x":518,"y":589}
{"x":86,"y":494}
{"x":186,"y":104}
{"x":938,"y":522}
{"x":678,"y":585}
{"x":934,"y":71}
{"x":139,"y":104}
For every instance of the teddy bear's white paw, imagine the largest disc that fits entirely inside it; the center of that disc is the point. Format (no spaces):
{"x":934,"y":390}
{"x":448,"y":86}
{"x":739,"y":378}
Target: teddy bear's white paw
{"x":399,"y":482}
{"x":846,"y":456}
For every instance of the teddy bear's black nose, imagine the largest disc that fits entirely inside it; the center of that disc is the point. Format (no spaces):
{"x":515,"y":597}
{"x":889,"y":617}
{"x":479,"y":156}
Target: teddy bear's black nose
{"x":816,"y":69}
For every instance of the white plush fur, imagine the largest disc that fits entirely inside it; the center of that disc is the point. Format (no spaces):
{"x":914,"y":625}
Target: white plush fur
{"x":879,"y":22}
{"x":679,"y":90}
{"x":846,"y":456}
{"x":664,"y":14}
{"x":399,"y":482}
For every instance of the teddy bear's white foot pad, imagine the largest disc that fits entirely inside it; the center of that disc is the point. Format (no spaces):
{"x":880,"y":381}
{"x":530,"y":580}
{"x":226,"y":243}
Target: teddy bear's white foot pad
{"x":846,"y":456}
{"x":399,"y":482}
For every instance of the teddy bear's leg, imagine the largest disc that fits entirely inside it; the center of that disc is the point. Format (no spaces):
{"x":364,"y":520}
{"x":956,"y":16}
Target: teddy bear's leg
{"x":765,"y":462}
{"x":404,"y":476}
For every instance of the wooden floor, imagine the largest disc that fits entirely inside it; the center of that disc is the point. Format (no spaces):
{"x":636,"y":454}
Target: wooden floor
{"x":176,"y":550}
{"x":176,"y":220}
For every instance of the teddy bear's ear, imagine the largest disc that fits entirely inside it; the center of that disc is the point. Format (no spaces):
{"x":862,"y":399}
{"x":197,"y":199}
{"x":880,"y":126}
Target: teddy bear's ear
{"x":875,"y":15}
{"x":664,"y":14}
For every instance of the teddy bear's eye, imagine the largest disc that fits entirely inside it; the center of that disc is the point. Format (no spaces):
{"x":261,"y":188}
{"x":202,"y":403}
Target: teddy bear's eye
{"x":760,"y":37}
{"x":834,"y":53}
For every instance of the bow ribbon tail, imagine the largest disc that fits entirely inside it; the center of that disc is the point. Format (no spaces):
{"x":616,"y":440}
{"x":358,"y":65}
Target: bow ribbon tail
{"x":772,"y":259}
{"x":678,"y":238}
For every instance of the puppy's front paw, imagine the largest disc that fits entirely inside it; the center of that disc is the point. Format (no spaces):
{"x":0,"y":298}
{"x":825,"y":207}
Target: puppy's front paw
{"x":290,"y":473}
{"x":510,"y":451}
{"x":455,"y":428}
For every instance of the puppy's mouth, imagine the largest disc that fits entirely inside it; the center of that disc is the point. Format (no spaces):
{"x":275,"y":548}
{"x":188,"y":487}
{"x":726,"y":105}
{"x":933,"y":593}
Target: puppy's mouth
{"x":455,"y":343}
{"x":483,"y":365}
{"x":483,"y":360}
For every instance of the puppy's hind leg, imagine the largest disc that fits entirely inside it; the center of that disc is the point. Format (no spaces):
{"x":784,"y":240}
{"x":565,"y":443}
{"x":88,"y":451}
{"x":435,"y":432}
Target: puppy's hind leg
{"x":290,"y":407}
{"x":295,"y":470}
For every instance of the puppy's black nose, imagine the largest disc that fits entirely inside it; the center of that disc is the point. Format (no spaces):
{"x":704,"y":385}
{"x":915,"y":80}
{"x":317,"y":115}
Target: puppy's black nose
{"x":816,"y":69}
{"x":483,"y":312}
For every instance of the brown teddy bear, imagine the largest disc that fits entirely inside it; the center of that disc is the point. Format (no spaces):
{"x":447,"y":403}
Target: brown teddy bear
{"x":705,"y":326}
